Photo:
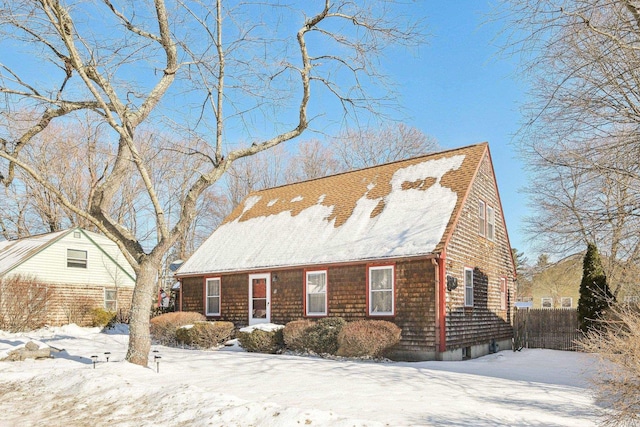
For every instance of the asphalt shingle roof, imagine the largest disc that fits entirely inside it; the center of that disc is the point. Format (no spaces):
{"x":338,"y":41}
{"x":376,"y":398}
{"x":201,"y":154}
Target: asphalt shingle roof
{"x":404,"y":208}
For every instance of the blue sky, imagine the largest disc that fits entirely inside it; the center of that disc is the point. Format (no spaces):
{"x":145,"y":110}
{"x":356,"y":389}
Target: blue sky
{"x":460,"y":91}
{"x":457,"y":89}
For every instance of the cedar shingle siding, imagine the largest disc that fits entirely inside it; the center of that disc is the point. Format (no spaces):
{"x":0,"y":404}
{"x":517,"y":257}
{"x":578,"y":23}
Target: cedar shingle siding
{"x":435,"y":322}
{"x":347,"y":298}
{"x":491,"y":260}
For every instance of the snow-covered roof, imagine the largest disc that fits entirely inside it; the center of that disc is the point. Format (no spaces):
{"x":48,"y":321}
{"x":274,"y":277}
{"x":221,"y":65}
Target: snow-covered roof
{"x":14,"y":252}
{"x":394,"y":210}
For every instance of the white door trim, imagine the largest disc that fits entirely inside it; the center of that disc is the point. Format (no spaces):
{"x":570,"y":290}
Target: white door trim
{"x":263,"y":313}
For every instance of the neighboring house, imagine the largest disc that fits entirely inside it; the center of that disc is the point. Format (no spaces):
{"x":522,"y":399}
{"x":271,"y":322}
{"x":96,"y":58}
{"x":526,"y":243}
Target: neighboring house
{"x":80,"y":269}
{"x":419,"y":242}
{"x":558,"y":284}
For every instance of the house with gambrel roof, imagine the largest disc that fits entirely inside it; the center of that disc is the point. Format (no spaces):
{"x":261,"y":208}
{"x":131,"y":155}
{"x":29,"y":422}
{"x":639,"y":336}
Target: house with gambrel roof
{"x":419,"y":242}
{"x":80,"y":270}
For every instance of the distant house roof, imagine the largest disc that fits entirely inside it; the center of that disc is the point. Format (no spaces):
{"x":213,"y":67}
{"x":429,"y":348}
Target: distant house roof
{"x":400,"y":209}
{"x":15,"y":252}
{"x":523,"y":304}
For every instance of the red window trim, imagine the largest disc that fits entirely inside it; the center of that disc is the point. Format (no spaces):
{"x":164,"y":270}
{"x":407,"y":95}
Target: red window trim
{"x":304,"y":292}
{"x":368,"y":289}
{"x":504,"y":293}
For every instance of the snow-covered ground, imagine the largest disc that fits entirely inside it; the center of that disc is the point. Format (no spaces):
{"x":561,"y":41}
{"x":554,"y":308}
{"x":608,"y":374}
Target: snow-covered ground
{"x":227,"y":387}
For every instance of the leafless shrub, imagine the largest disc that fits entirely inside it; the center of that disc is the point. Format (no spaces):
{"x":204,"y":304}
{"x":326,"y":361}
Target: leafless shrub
{"x":77,"y":309}
{"x":163,"y":328}
{"x":367,"y":338}
{"x":617,"y":383}
{"x":23,"y":303}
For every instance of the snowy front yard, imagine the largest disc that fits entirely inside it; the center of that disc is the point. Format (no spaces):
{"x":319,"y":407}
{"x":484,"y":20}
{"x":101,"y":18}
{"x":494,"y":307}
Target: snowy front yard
{"x":233,"y":388}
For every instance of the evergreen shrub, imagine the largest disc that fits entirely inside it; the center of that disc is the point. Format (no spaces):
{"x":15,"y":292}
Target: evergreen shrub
{"x":205,"y":334}
{"x":295,"y":334}
{"x":163,"y":328}
{"x":322,"y":337}
{"x":260,"y":341}
{"x":367,"y":338}
{"x":595,"y":296}
{"x":103,"y":318}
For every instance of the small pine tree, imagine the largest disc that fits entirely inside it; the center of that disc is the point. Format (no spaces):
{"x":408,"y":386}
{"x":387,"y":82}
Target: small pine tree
{"x":595,"y":295}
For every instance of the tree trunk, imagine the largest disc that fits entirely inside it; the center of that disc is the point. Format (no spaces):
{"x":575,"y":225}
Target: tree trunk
{"x":143,"y":298}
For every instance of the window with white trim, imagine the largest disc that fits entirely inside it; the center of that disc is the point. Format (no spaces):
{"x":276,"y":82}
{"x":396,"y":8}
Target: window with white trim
{"x":316,"y":293}
{"x":566,"y":302}
{"x":76,"y":258}
{"x":482,"y":222}
{"x":468,"y":287}
{"x":213,"y":297}
{"x":491,"y":223}
{"x":110,"y":299}
{"x":381,"y":290}
{"x":503,"y":293}
{"x":547,"y":302}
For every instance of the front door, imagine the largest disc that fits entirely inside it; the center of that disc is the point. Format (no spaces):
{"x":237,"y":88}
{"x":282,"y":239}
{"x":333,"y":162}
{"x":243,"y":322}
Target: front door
{"x":259,"y":298}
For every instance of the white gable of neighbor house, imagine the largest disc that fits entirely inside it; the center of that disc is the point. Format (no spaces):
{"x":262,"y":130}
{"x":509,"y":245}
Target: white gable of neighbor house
{"x":412,"y":223}
{"x":49,"y":263}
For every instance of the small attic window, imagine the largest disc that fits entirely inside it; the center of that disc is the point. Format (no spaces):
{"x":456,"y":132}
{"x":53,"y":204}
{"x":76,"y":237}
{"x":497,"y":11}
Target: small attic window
{"x":76,"y":234}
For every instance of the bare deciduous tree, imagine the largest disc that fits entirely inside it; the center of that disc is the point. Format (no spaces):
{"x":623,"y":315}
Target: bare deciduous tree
{"x":361,"y":148}
{"x":580,"y":131}
{"x":314,"y":160}
{"x":156,"y":68}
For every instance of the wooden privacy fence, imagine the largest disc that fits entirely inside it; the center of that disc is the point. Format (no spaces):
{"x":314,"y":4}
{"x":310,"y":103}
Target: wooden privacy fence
{"x":555,"y":329}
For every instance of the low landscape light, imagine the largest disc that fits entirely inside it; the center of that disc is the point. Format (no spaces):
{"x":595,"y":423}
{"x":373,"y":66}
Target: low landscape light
{"x":107,"y":354}
{"x":156,"y":358}
{"x":94,"y":359}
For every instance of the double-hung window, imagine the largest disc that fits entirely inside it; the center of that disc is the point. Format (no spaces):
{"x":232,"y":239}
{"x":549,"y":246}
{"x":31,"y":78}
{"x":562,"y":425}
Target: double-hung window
{"x":503,"y":293}
{"x":316,"y":293}
{"x":468,"y":287}
{"x":213,"y":297}
{"x":76,"y":258}
{"x":381,"y":291}
{"x":482,"y":220}
{"x":110,"y":299}
{"x":491,"y":223}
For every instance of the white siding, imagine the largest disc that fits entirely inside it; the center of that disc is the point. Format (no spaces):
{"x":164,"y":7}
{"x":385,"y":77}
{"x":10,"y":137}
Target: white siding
{"x":50,"y":264}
